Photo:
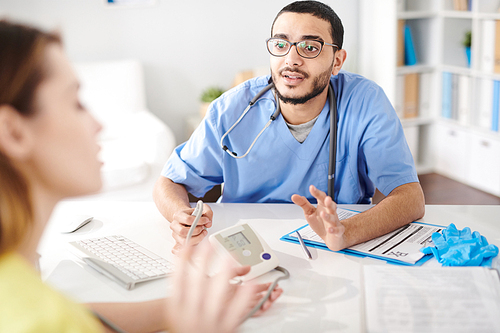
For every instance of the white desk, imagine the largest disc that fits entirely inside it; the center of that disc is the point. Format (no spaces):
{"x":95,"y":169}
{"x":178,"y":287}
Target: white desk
{"x":323,"y":294}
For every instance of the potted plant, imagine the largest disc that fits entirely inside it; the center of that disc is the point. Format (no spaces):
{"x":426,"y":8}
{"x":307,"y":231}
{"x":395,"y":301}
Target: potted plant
{"x":467,"y":42}
{"x":207,"y":96}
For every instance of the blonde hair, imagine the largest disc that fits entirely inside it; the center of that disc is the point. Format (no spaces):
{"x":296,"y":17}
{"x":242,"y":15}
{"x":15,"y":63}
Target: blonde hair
{"x":22,"y":69}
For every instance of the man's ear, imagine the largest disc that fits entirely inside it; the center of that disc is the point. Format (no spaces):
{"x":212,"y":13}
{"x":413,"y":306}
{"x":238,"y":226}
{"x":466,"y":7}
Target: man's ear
{"x":15,"y":135}
{"x":338,"y":62}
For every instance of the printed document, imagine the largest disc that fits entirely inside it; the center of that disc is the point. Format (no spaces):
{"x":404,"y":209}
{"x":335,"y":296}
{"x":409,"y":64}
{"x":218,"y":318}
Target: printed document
{"x":431,"y":299}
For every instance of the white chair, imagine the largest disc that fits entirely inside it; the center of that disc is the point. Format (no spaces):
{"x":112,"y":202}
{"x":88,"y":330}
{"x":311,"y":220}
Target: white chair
{"x":134,"y":142}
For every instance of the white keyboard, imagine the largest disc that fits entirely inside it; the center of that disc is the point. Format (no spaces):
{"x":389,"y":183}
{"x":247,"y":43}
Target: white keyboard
{"x":123,"y":260}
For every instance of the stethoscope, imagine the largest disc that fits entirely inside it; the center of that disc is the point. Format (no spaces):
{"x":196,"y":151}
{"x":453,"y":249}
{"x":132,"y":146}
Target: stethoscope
{"x":333,"y":131}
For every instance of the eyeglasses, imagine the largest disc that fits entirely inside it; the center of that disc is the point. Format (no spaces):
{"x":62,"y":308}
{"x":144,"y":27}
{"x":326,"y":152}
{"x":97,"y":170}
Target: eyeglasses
{"x":308,"y":49}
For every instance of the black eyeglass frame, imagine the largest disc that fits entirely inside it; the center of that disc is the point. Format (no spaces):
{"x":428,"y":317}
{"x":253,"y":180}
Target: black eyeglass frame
{"x":296,"y":48}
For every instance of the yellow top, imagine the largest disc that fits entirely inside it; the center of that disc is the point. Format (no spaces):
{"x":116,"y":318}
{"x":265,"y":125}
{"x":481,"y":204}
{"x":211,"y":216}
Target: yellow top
{"x":28,"y":305}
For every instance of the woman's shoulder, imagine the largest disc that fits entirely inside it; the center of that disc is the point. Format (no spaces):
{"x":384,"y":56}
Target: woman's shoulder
{"x":41,"y":308}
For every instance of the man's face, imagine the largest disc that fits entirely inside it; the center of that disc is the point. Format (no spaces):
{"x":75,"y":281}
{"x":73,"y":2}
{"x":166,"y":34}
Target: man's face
{"x":298,"y":79}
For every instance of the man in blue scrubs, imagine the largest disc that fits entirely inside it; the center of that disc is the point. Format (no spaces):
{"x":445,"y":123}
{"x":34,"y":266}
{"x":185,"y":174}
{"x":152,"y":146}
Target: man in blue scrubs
{"x":289,"y":161}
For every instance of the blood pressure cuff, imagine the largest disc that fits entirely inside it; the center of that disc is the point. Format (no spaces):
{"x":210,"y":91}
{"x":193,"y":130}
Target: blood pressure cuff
{"x":455,"y":247}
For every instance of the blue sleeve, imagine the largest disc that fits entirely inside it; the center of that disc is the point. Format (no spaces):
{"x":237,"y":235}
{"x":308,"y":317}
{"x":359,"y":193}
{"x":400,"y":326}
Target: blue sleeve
{"x":197,"y":163}
{"x":388,"y":160}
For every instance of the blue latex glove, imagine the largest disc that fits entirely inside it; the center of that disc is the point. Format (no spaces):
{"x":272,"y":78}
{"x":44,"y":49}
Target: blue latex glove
{"x":455,"y":247}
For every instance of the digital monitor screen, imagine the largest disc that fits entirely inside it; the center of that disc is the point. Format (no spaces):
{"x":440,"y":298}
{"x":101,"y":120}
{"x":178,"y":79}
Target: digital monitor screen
{"x":239,"y":239}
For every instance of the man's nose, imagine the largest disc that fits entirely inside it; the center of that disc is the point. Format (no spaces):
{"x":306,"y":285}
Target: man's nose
{"x":293,"y":58}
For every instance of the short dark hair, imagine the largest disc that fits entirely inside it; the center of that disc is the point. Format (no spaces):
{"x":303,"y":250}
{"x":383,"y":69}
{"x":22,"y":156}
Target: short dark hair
{"x":320,"y":10}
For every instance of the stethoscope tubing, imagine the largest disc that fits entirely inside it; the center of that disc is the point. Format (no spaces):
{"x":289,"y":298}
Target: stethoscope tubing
{"x":333,"y":143}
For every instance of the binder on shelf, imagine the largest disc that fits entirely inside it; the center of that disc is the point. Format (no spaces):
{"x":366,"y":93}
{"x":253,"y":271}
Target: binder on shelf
{"x":424,"y":89}
{"x":461,"y":5}
{"x":485,"y":103}
{"x":400,"y":43}
{"x":410,"y":56}
{"x":463,"y":98}
{"x":400,"y":91}
{"x":454,"y":97}
{"x":411,"y":101}
{"x":447,"y":95}
{"x":488,"y":46}
{"x":401,"y":5}
{"x":412,"y":137}
{"x":497,"y":47}
{"x":495,"y":106}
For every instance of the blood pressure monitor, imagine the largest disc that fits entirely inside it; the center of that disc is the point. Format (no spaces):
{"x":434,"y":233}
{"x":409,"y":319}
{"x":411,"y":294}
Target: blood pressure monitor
{"x":246,"y":247}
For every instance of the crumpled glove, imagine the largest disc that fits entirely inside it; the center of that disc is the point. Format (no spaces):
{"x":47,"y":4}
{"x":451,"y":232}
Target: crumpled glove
{"x":455,"y":247}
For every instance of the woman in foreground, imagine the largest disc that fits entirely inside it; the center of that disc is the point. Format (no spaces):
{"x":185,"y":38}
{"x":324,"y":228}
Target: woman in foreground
{"x":48,"y":152}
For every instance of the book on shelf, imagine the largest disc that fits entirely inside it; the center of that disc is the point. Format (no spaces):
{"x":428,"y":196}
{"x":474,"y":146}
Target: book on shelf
{"x":400,"y":43}
{"x":410,"y":55}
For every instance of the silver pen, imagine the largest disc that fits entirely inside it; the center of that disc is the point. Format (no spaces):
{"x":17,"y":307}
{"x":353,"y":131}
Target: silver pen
{"x":304,"y":247}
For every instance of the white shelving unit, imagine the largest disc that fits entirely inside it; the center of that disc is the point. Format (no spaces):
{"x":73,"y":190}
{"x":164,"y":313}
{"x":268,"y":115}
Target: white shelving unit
{"x":463,"y":150}
{"x":378,"y":62}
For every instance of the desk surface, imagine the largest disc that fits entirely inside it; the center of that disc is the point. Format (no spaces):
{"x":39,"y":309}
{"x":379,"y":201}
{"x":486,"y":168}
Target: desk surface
{"x":323,"y":294}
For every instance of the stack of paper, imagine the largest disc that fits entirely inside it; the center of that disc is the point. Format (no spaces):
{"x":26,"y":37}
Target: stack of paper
{"x":437,"y":299}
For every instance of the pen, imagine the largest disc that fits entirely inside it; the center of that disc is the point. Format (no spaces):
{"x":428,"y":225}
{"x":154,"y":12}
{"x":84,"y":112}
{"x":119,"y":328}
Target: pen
{"x":304,"y":247}
{"x":198,"y":211}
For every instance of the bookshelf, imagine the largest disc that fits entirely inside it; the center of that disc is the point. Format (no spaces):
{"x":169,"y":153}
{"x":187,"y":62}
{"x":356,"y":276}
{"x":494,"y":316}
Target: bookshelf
{"x":455,"y":131}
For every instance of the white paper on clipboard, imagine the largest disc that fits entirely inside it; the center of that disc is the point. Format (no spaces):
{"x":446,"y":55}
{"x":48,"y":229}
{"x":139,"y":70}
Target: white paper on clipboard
{"x":402,"y":244}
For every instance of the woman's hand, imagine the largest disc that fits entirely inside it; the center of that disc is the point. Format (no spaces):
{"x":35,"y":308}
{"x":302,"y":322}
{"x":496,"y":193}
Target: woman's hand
{"x":200,"y":303}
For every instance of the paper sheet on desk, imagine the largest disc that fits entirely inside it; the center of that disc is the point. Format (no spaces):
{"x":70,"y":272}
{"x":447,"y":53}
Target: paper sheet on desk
{"x":402,"y":246}
{"x":423,"y":299}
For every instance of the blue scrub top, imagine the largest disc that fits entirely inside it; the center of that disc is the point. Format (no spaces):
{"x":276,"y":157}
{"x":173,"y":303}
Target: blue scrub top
{"x":371,"y":148}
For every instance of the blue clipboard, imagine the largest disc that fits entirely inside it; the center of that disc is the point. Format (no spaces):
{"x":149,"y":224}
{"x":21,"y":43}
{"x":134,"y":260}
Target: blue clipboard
{"x":290,"y":237}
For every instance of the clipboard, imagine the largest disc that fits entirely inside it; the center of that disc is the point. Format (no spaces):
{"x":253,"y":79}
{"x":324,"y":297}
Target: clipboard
{"x":292,"y":238}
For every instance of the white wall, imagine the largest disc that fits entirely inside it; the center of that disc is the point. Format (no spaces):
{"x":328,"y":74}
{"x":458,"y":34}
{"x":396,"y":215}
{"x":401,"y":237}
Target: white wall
{"x":185,"y":46}
{"x":379,"y":35}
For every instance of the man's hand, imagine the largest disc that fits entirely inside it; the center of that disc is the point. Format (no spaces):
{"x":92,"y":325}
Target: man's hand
{"x":323,"y":219}
{"x":181,"y":223}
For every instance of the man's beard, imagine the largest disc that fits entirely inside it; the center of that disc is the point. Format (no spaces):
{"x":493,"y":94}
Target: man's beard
{"x":319,"y":85}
